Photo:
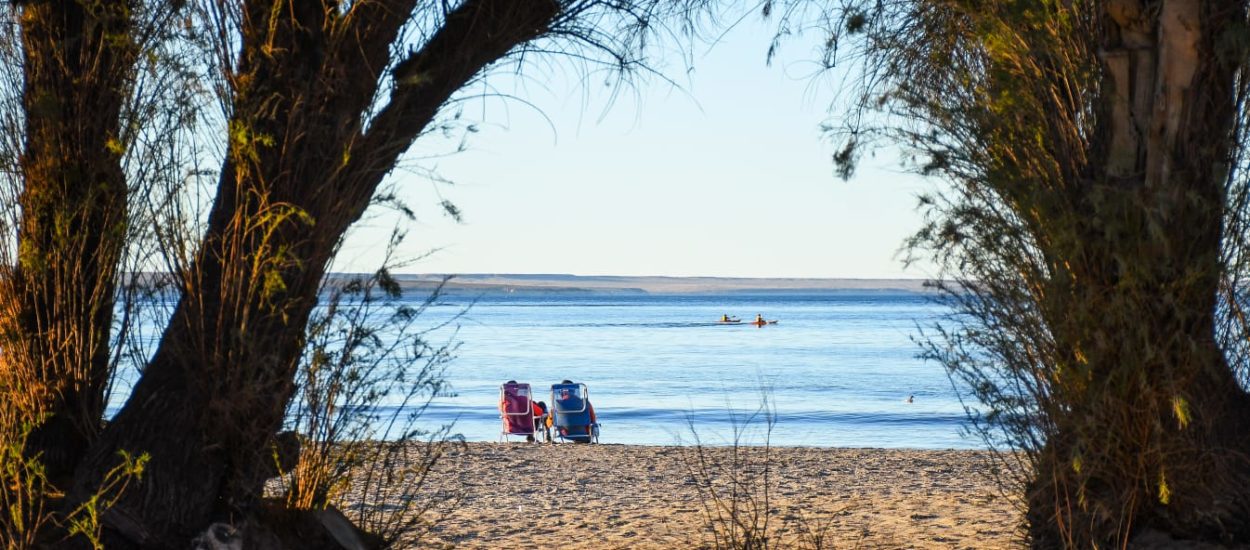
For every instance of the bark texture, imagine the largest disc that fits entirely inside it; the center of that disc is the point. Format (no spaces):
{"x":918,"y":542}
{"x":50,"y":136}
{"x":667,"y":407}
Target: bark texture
{"x":302,"y":165}
{"x":1156,"y":431}
{"x":1090,"y":145}
{"x":56,"y":317}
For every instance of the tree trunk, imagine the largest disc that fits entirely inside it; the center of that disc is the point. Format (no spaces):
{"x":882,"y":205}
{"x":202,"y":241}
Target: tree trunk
{"x":301,"y":167}
{"x":1158,"y":432}
{"x":56,"y":323}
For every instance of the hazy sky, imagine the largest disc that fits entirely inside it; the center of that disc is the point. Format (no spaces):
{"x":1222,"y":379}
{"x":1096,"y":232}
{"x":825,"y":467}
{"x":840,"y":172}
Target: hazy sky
{"x":728,"y":175}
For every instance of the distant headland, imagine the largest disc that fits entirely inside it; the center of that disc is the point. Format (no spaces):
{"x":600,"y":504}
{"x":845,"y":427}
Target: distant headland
{"x":653,"y":285}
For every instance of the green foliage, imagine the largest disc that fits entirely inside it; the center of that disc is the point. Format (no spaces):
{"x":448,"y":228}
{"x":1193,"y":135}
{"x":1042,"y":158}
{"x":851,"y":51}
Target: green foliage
{"x":85,"y":521}
{"x":1087,"y":334}
{"x":311,"y":109}
{"x":368,"y":373}
{"x":30,"y":502}
{"x":24,"y":491}
{"x":245,"y":142}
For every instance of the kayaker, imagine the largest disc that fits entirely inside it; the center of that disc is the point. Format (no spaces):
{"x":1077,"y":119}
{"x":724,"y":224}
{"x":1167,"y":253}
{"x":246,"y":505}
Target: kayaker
{"x":759,"y":319}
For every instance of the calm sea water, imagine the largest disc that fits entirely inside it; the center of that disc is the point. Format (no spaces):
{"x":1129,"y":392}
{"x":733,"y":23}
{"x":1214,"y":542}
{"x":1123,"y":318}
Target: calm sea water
{"x":837,"y":369}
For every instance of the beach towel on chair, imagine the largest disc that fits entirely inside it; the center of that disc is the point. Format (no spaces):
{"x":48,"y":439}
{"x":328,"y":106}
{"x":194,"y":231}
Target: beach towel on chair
{"x":516,"y":409}
{"x":572,"y":414}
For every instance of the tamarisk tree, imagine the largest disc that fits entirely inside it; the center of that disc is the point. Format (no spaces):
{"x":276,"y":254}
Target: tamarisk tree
{"x":1092,"y":237}
{"x":70,"y":216}
{"x":320,"y":100}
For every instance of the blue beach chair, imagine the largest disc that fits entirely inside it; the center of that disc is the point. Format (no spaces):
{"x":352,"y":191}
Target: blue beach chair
{"x":572,"y":413}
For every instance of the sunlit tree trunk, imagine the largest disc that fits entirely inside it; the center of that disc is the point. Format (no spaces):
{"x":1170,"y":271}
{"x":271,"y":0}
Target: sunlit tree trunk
{"x":1157,"y":434}
{"x":1094,"y":152}
{"x":302,"y":165}
{"x":57,"y":307}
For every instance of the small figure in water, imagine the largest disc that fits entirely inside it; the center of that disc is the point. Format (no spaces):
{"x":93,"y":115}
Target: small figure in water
{"x":911,"y":398}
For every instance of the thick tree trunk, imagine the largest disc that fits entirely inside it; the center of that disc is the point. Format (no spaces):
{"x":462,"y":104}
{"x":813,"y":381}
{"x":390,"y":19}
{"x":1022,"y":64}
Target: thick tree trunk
{"x":58,"y":316}
{"x":1155,"y":430}
{"x":300,"y":169}
{"x":1157,"y":434}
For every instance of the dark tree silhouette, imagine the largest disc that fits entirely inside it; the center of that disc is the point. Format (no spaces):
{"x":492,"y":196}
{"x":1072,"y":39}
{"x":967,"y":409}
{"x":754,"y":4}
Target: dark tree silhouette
{"x":59,"y":299}
{"x":1094,"y":230}
{"x":321,"y":100}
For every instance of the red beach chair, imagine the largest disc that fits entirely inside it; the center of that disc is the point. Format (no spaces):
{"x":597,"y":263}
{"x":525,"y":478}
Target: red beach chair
{"x":516,"y":410}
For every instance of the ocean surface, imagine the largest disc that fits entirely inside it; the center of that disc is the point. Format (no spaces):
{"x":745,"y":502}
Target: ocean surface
{"x":835,"y":371}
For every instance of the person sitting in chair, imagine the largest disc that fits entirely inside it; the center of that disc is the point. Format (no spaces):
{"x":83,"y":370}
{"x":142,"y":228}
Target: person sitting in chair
{"x":534,"y":408}
{"x":566,"y":394}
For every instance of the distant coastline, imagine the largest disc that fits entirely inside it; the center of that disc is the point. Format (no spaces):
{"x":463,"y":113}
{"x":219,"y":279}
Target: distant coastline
{"x":558,"y":283}
{"x":609,"y":284}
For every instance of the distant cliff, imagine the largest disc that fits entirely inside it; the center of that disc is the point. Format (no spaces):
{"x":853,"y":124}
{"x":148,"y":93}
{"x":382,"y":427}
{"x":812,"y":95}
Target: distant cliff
{"x":653,"y":285}
{"x":611,"y":284}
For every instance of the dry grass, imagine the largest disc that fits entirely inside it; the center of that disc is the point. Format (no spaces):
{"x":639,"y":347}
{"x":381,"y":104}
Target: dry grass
{"x":367,"y":376}
{"x":737,"y":486}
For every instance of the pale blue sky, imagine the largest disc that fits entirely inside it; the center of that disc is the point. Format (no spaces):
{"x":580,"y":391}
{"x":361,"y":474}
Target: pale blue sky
{"x":727,"y":176}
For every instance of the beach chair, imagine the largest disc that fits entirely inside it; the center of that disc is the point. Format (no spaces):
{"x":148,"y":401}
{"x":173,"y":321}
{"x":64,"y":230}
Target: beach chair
{"x":516,"y":410}
{"x":572,"y":414}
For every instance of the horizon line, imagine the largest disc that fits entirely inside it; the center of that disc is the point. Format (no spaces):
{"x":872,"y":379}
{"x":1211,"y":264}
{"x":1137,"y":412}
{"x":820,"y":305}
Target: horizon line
{"x":564,"y":275}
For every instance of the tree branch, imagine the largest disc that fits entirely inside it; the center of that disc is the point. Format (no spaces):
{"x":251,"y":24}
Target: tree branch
{"x":475,"y":34}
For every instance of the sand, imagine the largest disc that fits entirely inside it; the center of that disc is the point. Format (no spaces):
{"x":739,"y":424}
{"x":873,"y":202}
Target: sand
{"x":521,"y":495}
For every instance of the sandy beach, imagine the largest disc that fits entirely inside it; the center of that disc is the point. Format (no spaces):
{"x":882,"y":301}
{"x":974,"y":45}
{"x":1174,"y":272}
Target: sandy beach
{"x":519,"y":495}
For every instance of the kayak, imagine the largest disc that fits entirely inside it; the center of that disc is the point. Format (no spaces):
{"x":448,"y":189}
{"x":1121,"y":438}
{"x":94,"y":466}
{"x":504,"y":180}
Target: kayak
{"x":762,"y":323}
